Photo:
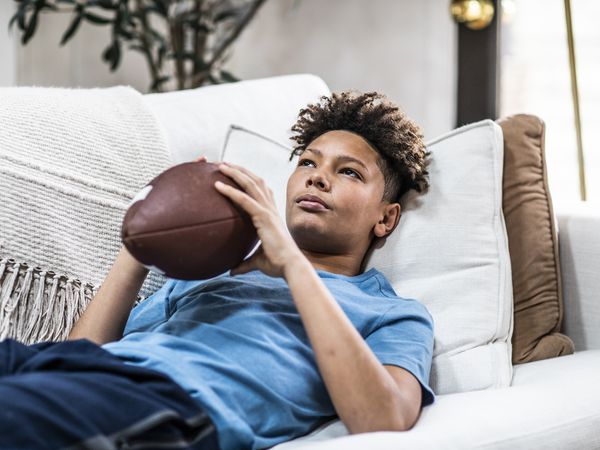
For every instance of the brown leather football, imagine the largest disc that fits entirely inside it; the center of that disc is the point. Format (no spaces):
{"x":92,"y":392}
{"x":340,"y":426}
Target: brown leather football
{"x":181,"y":226}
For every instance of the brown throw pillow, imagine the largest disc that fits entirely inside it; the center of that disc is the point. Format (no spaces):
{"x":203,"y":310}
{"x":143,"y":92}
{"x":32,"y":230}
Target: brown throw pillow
{"x":533,"y":244}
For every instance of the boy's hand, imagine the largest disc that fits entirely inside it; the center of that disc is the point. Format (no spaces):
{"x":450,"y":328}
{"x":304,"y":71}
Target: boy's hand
{"x":277,"y":248}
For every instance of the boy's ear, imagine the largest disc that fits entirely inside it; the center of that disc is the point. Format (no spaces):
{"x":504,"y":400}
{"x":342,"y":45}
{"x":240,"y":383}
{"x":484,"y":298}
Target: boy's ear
{"x":388,"y":220}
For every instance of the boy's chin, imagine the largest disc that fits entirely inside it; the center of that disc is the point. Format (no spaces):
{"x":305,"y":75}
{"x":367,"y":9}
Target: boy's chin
{"x":315,"y":240}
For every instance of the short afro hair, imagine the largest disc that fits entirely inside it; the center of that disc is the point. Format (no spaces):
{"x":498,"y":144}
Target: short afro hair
{"x":398,"y":140}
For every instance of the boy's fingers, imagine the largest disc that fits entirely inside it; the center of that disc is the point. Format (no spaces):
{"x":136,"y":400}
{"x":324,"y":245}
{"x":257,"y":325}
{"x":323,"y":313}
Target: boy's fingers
{"x":246,"y":182}
{"x":245,"y":171}
{"x":249,"y":204}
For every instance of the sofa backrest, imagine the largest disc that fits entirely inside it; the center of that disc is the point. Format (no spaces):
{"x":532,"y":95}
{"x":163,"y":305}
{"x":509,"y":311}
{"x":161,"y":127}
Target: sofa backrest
{"x":196,"y":121}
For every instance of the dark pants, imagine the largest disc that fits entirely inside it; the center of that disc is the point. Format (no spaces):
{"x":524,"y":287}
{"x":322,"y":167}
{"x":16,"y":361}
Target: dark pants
{"x":76,"y":395}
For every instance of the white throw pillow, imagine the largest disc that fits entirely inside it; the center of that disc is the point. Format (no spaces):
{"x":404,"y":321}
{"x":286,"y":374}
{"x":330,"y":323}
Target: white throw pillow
{"x":449,"y":251}
{"x":263,"y":156}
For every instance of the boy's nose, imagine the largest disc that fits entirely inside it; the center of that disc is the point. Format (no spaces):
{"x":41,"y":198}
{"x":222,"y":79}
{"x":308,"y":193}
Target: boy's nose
{"x":318,"y":181}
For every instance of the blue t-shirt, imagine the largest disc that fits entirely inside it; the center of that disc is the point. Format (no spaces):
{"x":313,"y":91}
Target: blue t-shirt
{"x":237,"y":345}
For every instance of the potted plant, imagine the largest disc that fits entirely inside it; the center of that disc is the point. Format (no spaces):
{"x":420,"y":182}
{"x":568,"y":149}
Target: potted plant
{"x":197,"y":33}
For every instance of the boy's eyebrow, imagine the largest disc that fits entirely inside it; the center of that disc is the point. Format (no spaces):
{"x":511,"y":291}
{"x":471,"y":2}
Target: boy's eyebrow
{"x":345,"y":158}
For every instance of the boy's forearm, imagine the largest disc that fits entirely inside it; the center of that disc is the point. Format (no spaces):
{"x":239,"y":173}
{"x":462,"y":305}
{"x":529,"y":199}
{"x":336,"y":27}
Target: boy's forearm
{"x":105,"y":317}
{"x":363,"y":393}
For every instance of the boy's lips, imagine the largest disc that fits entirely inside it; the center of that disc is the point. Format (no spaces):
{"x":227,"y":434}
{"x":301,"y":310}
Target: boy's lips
{"x":313,"y":202}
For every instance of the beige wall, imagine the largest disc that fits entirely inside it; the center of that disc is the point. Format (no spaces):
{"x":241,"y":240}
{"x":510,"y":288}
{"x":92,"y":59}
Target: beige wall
{"x":405,"y":49}
{"x":8,"y":47}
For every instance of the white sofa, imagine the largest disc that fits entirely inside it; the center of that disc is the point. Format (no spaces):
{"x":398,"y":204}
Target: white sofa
{"x":553,"y":403}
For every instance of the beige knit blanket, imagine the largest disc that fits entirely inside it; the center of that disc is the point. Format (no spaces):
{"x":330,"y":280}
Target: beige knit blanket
{"x":70,"y":162}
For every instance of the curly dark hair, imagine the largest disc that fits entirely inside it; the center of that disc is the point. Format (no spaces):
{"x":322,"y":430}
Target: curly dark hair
{"x":398,"y":140}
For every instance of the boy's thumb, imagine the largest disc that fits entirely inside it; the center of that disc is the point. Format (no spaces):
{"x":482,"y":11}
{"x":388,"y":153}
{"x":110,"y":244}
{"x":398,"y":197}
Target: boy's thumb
{"x":243,"y":267}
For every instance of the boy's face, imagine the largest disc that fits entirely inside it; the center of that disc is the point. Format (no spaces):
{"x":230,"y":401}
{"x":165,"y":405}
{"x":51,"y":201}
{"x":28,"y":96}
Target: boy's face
{"x":340,"y":169}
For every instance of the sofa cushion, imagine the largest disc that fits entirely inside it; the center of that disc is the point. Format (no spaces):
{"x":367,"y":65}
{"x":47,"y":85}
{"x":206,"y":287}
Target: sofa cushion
{"x":580,"y":258}
{"x":552,"y":404}
{"x":449,"y":251}
{"x":533,"y":243}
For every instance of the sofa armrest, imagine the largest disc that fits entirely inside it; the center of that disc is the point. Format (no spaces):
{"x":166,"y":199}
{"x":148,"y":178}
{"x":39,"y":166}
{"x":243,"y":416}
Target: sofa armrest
{"x":579,"y":243}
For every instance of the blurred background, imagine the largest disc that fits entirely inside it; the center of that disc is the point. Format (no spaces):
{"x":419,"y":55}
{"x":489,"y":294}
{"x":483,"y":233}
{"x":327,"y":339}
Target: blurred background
{"x":446,"y":63}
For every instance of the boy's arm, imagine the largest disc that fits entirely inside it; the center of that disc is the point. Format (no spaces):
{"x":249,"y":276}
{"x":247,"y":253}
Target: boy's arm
{"x":367,"y":395}
{"x":105,"y":317}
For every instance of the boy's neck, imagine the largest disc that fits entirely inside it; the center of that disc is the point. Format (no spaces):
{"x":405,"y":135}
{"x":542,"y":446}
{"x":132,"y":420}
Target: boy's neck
{"x":340,"y":264}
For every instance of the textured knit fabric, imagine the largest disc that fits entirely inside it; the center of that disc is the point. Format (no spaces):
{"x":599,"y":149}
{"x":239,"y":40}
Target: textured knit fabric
{"x":75,"y":395}
{"x":238,"y":346}
{"x":71,"y":160}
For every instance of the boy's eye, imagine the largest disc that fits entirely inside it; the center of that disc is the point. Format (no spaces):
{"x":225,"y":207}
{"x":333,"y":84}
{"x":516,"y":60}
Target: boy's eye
{"x":302,"y":161}
{"x":352,"y":172}
{"x":346,"y":171}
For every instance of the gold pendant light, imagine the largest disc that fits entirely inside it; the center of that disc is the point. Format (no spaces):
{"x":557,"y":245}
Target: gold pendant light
{"x":475,"y":14}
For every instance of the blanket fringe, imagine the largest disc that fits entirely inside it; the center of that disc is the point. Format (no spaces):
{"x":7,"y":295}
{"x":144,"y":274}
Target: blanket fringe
{"x":38,"y":305}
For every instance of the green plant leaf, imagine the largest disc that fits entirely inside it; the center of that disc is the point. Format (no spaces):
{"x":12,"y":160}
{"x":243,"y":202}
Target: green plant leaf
{"x":161,"y":7}
{"x":30,"y":27}
{"x":137,"y":47}
{"x":228,"y":76}
{"x":123,"y":32}
{"x":213,"y":79}
{"x":104,"y":4}
{"x":159,"y":37}
{"x":97,"y":19}
{"x":160,"y":80}
{"x":199,"y":26}
{"x":162,"y":50}
{"x":12,"y":20}
{"x":46,"y":5}
{"x":199,"y":63}
{"x":126,"y":16}
{"x":117,"y":57}
{"x":121,"y":22}
{"x":226,"y":14}
{"x":21,"y":16}
{"x":72,"y":27}
{"x":112,"y":54}
{"x":191,"y":16}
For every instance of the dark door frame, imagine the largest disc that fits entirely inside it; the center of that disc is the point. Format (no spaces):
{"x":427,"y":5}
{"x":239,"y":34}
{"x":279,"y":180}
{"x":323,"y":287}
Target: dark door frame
{"x":479,"y":71}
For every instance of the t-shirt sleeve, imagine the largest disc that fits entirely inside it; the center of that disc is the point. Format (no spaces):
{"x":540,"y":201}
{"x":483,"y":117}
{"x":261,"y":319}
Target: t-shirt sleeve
{"x":404,"y":337}
{"x":152,"y":311}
